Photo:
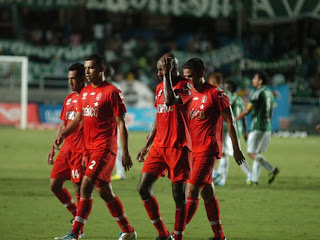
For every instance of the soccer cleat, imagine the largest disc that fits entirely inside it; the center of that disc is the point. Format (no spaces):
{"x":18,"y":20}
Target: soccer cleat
{"x":69,"y":236}
{"x":116,"y":177}
{"x":220,"y":183}
{"x":169,"y":237}
{"x":128,"y":236}
{"x":248,"y":180}
{"x":273,"y":175}
{"x":254,"y":183}
{"x":81,"y":235}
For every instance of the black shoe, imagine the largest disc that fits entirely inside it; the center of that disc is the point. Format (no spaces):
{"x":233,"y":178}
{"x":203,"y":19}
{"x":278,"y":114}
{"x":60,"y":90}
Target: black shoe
{"x":169,"y":237}
{"x":273,"y":175}
{"x":254,"y":183}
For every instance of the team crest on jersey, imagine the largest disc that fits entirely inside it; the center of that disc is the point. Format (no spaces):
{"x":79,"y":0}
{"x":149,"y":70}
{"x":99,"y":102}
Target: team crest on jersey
{"x":84,"y":96}
{"x":98,"y":97}
{"x":204,"y":99}
{"x":68,"y":101}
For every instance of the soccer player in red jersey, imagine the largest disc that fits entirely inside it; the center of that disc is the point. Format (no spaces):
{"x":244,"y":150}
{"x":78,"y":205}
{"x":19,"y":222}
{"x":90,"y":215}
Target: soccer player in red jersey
{"x":209,"y":107}
{"x":101,"y":108}
{"x":171,"y":150}
{"x":68,"y":164}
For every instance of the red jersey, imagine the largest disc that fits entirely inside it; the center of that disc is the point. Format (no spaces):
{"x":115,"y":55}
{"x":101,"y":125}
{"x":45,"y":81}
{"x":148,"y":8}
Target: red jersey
{"x":172,"y":121}
{"x":74,"y":142}
{"x":206,"y":121}
{"x":99,"y":107}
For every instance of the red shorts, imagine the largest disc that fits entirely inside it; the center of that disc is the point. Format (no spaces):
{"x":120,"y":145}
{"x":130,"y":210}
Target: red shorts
{"x":174,"y":160}
{"x":68,"y":166}
{"x":202,"y":167}
{"x":99,"y":165}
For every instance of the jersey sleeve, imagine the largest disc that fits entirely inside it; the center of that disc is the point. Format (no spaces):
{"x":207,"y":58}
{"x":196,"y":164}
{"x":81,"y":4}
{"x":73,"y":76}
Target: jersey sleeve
{"x":79,"y":104}
{"x":63,"y":111}
{"x":184,"y":90}
{"x":117,"y":103}
{"x":221,"y":99}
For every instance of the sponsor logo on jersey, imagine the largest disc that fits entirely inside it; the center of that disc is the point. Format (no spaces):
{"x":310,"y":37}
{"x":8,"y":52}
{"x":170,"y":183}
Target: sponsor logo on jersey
{"x":196,"y":98}
{"x":98,"y":97}
{"x":84,"y":96}
{"x":75,"y":101}
{"x":197,"y":114}
{"x":204,"y":99}
{"x":90,"y":111}
{"x":163,"y":108}
{"x":70,"y":115}
{"x":68,"y":101}
{"x":93,"y":93}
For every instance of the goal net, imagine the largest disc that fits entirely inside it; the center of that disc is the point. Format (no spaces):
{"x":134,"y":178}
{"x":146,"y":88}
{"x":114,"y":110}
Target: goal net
{"x":14,"y":91}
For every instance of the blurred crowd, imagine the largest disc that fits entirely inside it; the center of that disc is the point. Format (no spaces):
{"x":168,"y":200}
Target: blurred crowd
{"x":133,"y":47}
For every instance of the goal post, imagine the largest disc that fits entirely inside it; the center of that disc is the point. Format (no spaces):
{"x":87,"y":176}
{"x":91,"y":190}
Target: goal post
{"x":24,"y":86}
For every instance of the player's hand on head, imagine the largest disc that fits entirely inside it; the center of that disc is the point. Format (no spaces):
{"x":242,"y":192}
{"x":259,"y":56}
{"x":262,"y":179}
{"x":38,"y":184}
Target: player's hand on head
{"x":50,"y":156}
{"x":238,"y":156}
{"x":126,"y":161}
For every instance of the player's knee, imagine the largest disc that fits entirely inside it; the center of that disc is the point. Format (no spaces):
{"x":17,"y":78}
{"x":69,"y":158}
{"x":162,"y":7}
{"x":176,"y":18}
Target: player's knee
{"x":55,"y":186}
{"x":144,"y":191}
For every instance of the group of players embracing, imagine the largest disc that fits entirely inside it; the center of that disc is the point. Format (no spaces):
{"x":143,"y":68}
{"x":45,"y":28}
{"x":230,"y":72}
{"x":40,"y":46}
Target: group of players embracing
{"x":185,"y":142}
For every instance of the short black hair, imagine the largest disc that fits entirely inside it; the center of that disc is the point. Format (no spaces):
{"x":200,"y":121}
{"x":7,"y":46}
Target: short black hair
{"x":196,"y":64}
{"x":232,"y":85}
{"x":264,"y":77}
{"x":99,"y":60}
{"x":79,"y":67}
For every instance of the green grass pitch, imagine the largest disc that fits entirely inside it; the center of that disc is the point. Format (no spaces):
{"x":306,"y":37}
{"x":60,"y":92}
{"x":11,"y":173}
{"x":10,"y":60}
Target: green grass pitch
{"x":288,"y":209}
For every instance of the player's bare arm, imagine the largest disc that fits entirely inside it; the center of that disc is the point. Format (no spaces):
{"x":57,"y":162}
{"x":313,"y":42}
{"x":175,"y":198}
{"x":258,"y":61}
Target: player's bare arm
{"x":244,"y":112}
{"x":51,"y":153}
{"x":245,"y":128}
{"x":126,"y":158}
{"x":228,"y":117}
{"x":71,"y":128}
{"x":168,"y":65}
{"x":149,"y":140}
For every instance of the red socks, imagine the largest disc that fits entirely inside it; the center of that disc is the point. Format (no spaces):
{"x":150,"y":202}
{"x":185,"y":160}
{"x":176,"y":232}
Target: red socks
{"x":180,"y":224}
{"x":66,"y":199}
{"x":213,"y":213}
{"x":84,"y":209}
{"x":116,"y":210}
{"x":152,"y":207}
{"x":192,"y":206}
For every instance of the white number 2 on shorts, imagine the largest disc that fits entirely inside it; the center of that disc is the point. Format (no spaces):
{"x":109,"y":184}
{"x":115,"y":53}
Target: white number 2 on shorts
{"x":92,"y":164}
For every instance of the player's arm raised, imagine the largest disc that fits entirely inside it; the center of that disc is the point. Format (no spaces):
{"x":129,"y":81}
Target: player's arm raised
{"x":228,"y":117}
{"x":126,"y":158}
{"x":51,"y":153}
{"x":170,"y":97}
{"x":149,"y":141}
{"x":72,"y":127}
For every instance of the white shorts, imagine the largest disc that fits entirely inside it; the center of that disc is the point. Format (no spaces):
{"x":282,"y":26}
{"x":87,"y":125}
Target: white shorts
{"x":258,"y":141}
{"x":227,"y":148}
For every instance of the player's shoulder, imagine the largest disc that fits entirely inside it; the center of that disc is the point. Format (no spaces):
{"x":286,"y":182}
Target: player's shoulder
{"x":69,"y":98}
{"x":110,"y":88}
